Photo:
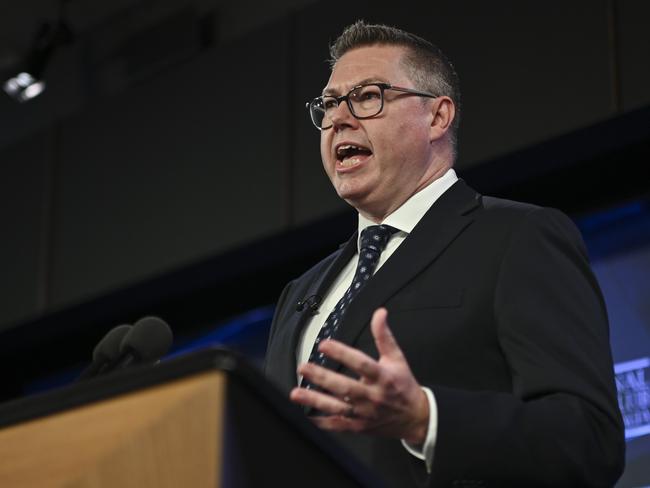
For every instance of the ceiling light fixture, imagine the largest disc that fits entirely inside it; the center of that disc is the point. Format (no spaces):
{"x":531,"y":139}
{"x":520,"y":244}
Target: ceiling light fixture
{"x":26,"y":81}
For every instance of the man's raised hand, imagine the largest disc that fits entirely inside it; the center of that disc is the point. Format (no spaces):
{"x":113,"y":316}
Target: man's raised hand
{"x":384,"y":400}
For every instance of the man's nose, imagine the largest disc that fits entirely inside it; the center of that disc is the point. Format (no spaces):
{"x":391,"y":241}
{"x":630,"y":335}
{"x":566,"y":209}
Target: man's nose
{"x":342,"y":117}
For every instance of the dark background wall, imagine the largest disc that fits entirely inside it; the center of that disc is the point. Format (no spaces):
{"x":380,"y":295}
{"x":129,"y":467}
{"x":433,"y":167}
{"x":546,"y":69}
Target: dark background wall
{"x":151,"y":150}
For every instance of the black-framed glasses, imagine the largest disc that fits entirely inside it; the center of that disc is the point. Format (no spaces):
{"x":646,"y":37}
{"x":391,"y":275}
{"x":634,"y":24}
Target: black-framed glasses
{"x":364,"y":101}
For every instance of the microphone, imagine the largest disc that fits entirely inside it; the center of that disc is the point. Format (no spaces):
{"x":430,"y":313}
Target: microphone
{"x":312,"y":301}
{"x":106,"y":351}
{"x":149,"y":339}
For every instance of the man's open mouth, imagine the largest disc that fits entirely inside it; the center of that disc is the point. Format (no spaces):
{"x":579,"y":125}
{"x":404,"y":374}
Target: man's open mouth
{"x":350,"y":155}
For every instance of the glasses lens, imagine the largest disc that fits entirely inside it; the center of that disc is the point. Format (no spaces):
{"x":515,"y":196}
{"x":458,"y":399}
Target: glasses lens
{"x":319,"y":109}
{"x":366,"y":100}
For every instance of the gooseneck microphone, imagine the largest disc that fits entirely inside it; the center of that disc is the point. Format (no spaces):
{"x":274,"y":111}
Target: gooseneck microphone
{"x":148,"y":340}
{"x":312,"y":302}
{"x":106,"y":352}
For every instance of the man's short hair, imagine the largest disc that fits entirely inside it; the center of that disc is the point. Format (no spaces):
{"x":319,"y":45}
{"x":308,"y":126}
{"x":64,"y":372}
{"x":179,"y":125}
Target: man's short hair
{"x":425,"y":64}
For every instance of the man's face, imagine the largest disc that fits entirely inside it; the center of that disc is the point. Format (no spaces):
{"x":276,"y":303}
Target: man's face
{"x":399,"y":160}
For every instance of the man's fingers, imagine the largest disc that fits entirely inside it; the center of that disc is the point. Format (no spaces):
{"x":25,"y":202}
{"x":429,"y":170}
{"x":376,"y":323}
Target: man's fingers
{"x":339,"y":415}
{"x":338,"y":423}
{"x":351,"y":358}
{"x":339,"y":385}
{"x":320,"y":401}
{"x":384,"y":339}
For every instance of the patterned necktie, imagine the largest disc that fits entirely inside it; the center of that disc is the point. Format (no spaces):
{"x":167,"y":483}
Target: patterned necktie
{"x":373,"y":242}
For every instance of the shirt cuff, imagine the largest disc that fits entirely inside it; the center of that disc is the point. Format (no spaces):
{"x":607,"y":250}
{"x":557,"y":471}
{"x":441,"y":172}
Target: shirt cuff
{"x":425,"y":452}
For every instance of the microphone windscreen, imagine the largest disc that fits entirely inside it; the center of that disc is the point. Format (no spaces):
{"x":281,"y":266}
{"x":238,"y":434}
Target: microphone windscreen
{"x":108,"y":349}
{"x":149,"y":339}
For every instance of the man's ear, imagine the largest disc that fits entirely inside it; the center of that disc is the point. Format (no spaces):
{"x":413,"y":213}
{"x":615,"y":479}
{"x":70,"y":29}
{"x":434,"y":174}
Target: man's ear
{"x":444,"y":111}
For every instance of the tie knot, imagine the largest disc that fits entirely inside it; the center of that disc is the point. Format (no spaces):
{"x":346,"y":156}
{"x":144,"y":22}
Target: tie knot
{"x":375,"y":237}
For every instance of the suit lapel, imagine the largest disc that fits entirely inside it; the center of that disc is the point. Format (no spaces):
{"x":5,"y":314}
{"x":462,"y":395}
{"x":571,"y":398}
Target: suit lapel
{"x":445,"y":220}
{"x":298,"y":320}
{"x":322,"y":283}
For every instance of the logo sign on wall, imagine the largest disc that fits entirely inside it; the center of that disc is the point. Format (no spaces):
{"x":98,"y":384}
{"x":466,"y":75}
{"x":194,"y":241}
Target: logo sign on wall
{"x":633,"y":385}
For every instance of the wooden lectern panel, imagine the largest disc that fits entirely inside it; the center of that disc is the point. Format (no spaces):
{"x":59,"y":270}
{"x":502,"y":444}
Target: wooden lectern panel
{"x":162,"y":436}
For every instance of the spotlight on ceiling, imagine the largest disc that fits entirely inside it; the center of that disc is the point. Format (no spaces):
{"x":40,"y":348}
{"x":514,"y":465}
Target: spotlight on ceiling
{"x":27,"y":82}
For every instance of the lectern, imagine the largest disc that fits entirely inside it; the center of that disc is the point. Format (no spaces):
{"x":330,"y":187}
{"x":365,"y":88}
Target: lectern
{"x":207,"y":419}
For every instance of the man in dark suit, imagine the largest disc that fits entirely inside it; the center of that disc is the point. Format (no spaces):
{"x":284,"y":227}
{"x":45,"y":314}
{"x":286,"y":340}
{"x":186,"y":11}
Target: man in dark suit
{"x":495,"y":369}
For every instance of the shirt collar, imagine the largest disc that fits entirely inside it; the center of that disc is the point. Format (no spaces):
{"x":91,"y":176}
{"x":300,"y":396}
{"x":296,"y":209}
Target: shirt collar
{"x":406,"y":217}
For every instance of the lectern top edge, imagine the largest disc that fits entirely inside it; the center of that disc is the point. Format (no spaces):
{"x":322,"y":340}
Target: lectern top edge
{"x":125,"y":381}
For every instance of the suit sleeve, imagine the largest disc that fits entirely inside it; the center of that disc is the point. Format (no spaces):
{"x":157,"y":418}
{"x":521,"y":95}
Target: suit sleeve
{"x":560,"y":425}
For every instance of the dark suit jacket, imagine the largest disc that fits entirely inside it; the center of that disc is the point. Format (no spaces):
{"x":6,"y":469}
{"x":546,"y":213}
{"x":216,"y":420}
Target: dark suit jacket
{"x":496,"y":308}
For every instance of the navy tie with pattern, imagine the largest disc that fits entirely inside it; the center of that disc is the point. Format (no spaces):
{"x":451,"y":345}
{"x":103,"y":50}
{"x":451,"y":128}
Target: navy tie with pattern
{"x":373,"y":241}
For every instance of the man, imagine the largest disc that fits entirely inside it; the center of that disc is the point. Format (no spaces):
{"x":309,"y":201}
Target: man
{"x":469,"y":346}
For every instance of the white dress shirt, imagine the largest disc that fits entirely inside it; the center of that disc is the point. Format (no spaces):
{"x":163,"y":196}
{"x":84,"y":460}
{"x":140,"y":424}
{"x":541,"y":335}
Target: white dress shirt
{"x":405,"y":218}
